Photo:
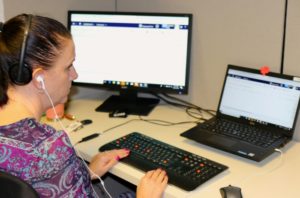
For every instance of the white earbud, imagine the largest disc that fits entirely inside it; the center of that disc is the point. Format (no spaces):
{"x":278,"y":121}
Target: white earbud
{"x":40,"y":79}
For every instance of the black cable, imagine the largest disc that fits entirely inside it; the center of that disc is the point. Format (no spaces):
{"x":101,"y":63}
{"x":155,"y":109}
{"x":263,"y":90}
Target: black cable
{"x":283,"y":37}
{"x":209,"y":111}
{"x":151,"y":121}
{"x":116,"y":126}
{"x":180,"y":100}
{"x":166,"y":123}
{"x":185,"y":104}
{"x":193,"y":114}
{"x":188,"y":107}
{"x":89,"y":137}
{"x":170,"y":102}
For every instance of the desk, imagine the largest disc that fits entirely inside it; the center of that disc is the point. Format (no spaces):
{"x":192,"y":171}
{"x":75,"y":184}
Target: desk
{"x":274,"y":177}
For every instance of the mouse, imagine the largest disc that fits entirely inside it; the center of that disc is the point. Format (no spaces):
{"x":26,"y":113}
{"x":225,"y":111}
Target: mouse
{"x":231,"y":192}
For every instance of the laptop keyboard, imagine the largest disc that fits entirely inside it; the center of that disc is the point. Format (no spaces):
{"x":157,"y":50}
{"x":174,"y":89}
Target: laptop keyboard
{"x":242,"y":132}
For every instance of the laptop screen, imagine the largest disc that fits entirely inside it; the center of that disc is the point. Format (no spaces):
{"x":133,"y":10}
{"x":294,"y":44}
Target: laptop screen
{"x":268,"y":100}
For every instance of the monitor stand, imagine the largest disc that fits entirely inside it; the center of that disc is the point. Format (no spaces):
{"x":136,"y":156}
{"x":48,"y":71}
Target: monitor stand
{"x":128,"y":102}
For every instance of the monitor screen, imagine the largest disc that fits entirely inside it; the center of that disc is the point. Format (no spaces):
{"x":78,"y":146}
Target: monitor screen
{"x":132,"y":52}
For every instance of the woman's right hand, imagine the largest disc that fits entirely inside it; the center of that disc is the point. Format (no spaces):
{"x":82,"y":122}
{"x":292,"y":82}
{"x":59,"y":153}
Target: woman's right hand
{"x":103,"y":161}
{"x":153,"y":184}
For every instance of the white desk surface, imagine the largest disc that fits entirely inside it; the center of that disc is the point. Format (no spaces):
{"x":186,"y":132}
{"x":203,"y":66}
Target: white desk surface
{"x":276,"y":177}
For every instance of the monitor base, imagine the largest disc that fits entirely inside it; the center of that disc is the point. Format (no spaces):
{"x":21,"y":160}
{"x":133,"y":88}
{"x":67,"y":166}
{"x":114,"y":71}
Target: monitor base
{"x":134,"y":106}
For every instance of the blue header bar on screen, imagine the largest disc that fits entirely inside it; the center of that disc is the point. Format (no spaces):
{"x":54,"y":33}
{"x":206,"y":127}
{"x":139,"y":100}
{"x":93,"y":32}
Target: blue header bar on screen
{"x":130,"y":25}
{"x":278,"y":84}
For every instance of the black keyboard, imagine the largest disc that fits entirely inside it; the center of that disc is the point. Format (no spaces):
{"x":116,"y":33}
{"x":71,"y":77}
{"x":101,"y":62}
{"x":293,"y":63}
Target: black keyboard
{"x":242,"y":132}
{"x":184,"y":169}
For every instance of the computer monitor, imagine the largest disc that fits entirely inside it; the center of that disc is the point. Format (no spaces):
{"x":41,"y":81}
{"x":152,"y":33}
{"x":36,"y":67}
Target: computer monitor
{"x":131,"y":53}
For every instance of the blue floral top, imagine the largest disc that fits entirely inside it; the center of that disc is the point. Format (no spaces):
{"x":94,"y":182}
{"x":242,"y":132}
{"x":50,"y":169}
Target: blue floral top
{"x":44,"y":158}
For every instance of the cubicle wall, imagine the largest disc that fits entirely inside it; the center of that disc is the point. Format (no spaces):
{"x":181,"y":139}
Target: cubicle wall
{"x":246,"y":33}
{"x":1,"y":11}
{"x":292,"y":52}
{"x":56,"y":9}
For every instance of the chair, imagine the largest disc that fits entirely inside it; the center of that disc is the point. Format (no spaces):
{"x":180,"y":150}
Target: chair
{"x":14,"y":187}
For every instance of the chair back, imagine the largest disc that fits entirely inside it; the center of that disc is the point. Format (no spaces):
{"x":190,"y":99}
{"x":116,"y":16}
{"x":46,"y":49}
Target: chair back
{"x":14,"y":187}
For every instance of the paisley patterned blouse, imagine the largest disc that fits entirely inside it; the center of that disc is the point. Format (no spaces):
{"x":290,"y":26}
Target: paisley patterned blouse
{"x":44,"y":158}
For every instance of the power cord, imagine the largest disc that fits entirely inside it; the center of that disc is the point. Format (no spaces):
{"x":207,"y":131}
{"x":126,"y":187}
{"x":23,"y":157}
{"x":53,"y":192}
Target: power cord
{"x":281,"y":161}
{"x":94,"y":135}
{"x":187,"y":105}
{"x":151,"y":121}
{"x":195,"y":114}
{"x":165,"y":123}
{"x":209,"y":111}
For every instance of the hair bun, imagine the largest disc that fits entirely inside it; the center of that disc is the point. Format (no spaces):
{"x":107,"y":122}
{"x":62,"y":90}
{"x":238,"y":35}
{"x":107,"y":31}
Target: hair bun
{"x":1,"y":26}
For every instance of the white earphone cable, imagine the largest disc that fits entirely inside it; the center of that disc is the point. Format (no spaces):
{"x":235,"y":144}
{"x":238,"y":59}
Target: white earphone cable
{"x":77,"y":153}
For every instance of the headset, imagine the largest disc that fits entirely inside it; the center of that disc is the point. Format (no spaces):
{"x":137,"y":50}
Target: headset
{"x":20,"y":73}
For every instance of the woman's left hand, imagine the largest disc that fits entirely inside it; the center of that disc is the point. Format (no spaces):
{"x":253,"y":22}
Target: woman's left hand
{"x":103,"y":161}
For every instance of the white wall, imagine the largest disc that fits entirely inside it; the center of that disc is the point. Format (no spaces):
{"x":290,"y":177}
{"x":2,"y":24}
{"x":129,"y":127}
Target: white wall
{"x":1,"y":11}
{"x":56,"y":9}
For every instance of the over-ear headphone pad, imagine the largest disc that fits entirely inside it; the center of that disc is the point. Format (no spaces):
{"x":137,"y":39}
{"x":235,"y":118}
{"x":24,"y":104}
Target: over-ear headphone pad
{"x":24,"y":79}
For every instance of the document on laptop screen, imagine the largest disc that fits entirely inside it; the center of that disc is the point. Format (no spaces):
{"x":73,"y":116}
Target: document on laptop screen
{"x":265,"y":99}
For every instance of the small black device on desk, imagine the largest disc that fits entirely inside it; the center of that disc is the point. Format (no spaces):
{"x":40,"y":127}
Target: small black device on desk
{"x":118,"y":114}
{"x":184,"y":169}
{"x":231,"y":192}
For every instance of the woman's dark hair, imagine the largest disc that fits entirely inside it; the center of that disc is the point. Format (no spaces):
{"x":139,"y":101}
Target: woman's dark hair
{"x":44,"y":43}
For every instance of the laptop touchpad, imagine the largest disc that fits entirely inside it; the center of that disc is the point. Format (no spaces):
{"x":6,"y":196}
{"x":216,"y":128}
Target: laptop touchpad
{"x":221,"y":141}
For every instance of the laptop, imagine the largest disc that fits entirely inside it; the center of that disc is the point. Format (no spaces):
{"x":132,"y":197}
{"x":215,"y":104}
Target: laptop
{"x":256,"y":114}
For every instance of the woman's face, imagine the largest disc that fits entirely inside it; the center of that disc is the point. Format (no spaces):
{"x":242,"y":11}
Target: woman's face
{"x":58,"y":79}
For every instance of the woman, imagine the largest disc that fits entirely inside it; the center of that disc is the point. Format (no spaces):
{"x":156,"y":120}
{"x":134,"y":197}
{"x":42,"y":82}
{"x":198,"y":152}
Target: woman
{"x":36,"y":57}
